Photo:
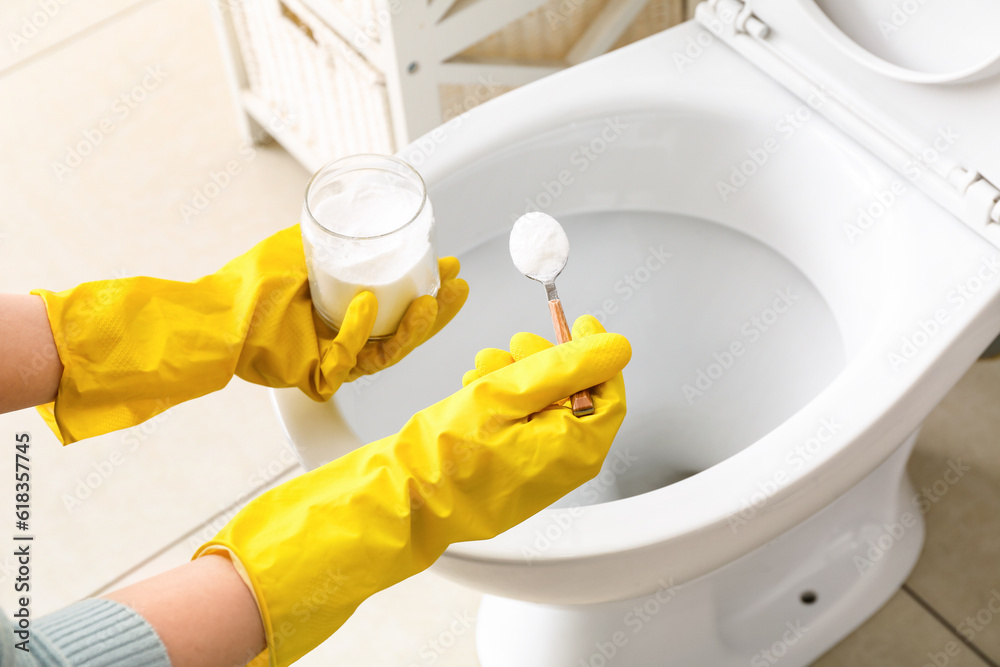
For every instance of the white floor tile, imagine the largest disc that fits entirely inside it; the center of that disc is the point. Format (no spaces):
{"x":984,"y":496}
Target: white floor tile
{"x":29,"y":27}
{"x":423,"y":621}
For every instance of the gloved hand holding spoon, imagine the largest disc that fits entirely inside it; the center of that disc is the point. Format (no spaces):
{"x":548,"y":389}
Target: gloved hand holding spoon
{"x":540,"y":249}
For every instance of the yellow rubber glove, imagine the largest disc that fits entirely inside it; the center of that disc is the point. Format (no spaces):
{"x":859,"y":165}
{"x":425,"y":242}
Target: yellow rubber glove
{"x":467,"y":468}
{"x":523,"y":345}
{"x":134,"y":347}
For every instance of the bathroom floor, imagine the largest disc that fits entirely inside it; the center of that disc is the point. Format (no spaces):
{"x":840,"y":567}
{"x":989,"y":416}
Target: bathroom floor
{"x":151,"y":196}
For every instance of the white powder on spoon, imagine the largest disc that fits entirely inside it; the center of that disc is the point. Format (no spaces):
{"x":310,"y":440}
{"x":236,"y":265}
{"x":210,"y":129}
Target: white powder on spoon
{"x":538,"y":246}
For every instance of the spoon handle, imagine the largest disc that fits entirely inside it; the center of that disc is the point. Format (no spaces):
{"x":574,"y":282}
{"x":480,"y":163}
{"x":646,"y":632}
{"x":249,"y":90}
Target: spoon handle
{"x":581,"y":401}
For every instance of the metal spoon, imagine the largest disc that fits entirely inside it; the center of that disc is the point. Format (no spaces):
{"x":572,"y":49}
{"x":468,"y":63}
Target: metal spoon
{"x":540,"y":249}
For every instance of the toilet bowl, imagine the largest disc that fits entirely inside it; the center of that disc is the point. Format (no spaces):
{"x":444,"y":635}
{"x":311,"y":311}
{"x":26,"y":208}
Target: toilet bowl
{"x":801,"y":282}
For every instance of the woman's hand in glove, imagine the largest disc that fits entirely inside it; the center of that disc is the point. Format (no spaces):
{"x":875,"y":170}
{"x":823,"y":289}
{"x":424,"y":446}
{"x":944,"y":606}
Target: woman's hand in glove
{"x":467,"y":468}
{"x":134,"y":347}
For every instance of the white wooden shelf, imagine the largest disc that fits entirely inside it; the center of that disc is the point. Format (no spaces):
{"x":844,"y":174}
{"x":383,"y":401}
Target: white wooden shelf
{"x":369,"y":76}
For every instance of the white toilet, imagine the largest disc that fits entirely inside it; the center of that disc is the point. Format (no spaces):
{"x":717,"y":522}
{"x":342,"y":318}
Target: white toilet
{"x":788,"y":208}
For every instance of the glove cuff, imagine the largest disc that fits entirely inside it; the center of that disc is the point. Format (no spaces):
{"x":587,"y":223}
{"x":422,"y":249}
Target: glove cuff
{"x":131,"y":349}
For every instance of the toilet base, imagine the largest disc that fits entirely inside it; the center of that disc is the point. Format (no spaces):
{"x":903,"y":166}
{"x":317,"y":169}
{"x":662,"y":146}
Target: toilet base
{"x":789,"y":601}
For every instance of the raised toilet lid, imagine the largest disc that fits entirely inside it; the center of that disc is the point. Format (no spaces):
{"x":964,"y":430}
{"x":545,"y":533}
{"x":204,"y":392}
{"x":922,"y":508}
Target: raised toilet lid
{"x":916,"y":81}
{"x":920,"y":41}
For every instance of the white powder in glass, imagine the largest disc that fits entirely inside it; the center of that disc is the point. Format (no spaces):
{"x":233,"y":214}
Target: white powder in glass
{"x":396,"y":268}
{"x":538,"y":246}
{"x":369,"y":206}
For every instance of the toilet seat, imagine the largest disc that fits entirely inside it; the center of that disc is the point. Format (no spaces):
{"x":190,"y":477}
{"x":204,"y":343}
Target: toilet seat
{"x":881,"y":290}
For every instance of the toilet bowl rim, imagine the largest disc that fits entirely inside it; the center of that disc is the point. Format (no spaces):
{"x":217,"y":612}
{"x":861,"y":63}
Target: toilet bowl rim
{"x":840,"y":392}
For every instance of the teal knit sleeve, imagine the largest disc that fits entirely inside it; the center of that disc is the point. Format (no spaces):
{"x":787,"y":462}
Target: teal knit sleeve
{"x":92,"y":633}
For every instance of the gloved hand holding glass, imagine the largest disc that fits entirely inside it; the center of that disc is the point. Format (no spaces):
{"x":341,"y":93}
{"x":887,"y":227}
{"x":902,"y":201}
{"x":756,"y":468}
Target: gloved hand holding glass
{"x":467,"y":468}
{"x":134,"y":347}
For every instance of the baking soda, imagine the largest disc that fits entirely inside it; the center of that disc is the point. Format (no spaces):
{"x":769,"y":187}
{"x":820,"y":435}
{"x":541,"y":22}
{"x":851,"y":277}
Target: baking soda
{"x":538,"y":246}
{"x":397,"y":268}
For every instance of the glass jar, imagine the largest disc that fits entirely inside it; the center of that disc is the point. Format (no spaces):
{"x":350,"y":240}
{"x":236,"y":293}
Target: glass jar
{"x":367,"y":224}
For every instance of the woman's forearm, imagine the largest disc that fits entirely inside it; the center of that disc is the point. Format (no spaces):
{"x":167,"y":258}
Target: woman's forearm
{"x":30,"y":368}
{"x":202,"y":611}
